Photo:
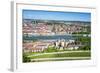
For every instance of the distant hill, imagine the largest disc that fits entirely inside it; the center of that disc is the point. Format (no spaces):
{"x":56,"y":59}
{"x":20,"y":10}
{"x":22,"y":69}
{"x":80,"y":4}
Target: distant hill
{"x":55,"y":21}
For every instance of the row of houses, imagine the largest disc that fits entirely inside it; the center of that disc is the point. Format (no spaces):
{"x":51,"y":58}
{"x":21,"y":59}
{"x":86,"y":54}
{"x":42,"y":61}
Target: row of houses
{"x":37,"y":46}
{"x":40,"y":29}
{"x":46,"y":29}
{"x":40,"y":46}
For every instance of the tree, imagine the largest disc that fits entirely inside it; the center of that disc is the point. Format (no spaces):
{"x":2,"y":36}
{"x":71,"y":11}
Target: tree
{"x":25,"y":58}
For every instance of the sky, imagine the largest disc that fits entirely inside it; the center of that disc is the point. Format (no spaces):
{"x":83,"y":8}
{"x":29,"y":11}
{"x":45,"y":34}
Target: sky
{"x":56,"y":15}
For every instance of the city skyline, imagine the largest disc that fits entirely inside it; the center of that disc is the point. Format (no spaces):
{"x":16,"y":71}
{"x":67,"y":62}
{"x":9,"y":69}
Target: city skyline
{"x":56,"y":15}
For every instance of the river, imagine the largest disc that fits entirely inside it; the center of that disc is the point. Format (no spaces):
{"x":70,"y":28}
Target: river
{"x":54,"y":37}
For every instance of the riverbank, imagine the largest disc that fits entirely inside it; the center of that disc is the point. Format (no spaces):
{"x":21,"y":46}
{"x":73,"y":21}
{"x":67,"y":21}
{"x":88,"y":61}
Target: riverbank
{"x":59,"y":35}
